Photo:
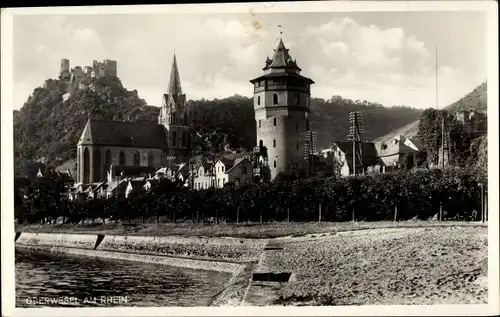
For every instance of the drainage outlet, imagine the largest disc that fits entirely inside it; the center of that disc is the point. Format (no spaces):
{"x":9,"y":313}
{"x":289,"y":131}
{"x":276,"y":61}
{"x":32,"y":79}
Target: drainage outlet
{"x":271,"y":277}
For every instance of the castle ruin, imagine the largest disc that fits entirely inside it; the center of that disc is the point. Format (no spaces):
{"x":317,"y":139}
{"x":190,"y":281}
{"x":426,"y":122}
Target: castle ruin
{"x":79,"y":78}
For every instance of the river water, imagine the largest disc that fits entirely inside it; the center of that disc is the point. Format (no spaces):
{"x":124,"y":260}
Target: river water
{"x":47,"y":280}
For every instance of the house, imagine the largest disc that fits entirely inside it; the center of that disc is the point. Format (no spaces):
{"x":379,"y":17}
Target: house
{"x":203,"y":177}
{"x":237,"y":171}
{"x":66,"y":177}
{"x":134,"y":185}
{"x":150,"y":184}
{"x":369,"y":162}
{"x":394,"y":152}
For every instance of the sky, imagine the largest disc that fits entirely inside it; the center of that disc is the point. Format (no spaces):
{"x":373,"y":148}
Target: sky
{"x":385,"y":57}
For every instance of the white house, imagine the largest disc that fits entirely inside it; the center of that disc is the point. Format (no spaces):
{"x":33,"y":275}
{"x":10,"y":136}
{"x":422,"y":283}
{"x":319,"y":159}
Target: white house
{"x":203,"y":177}
{"x":238,"y":172}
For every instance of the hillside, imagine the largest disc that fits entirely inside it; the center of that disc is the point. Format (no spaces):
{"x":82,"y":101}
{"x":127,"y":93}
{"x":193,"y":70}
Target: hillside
{"x":47,"y":127}
{"x":475,"y":100}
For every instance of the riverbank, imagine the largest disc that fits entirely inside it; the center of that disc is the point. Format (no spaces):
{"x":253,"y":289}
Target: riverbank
{"x":331,"y":264}
{"x":242,"y":230}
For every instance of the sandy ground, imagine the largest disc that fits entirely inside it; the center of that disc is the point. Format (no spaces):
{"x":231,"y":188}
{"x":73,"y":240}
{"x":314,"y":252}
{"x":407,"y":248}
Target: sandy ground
{"x":242,"y":230}
{"x":446,"y":265}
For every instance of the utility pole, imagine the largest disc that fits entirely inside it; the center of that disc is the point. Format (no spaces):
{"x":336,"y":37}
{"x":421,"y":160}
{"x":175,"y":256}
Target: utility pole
{"x":443,"y":124}
{"x":355,"y":132}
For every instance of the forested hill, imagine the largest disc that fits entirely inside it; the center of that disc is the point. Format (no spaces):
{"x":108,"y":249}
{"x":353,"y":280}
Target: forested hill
{"x":475,"y":100}
{"x":47,"y":128}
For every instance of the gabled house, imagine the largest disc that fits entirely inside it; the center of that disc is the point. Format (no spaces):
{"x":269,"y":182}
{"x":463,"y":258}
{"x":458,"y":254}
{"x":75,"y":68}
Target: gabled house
{"x":151,"y":184}
{"x":368,"y":162}
{"x":134,"y":185}
{"x":237,"y":172}
{"x":203,"y":177}
{"x":394,"y":152}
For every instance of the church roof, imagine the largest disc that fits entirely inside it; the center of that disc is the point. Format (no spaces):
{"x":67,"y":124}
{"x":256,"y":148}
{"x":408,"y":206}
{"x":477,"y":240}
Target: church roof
{"x":174,"y":86}
{"x":126,"y":134}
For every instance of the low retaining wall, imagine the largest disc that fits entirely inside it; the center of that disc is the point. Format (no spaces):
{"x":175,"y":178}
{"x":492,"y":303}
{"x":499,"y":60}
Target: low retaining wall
{"x":180,"y":249}
{"x":226,"y":267}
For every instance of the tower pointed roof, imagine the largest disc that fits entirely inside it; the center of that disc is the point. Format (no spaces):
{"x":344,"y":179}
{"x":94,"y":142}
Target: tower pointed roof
{"x":281,"y":58}
{"x":174,"y":86}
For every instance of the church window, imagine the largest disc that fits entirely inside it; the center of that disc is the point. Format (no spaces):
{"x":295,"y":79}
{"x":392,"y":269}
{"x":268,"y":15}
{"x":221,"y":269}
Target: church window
{"x":86,"y":166}
{"x":274,"y":164}
{"x":258,"y":100}
{"x":183,"y":138}
{"x":261,"y":143}
{"x":122,"y":158}
{"x":97,"y":165}
{"x":137,"y":159}
{"x":150,"y":159}
{"x":260,"y":125}
{"x":107,"y":159}
{"x":275,"y":99}
{"x":274,"y":143}
{"x":274,"y":121}
{"x":174,"y":136}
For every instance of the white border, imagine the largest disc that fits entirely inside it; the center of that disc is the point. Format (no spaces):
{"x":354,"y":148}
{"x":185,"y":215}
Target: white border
{"x":8,"y":283}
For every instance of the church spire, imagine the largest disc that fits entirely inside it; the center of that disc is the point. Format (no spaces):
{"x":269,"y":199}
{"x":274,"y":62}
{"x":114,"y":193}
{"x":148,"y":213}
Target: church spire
{"x":174,"y":87}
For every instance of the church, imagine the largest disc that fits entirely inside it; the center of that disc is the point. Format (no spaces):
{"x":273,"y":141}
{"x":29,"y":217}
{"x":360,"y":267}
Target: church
{"x":107,"y":148}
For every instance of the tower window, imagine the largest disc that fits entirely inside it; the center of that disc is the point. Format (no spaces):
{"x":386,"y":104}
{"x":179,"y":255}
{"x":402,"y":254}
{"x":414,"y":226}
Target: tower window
{"x":258,"y":100}
{"x":275,"y":99}
{"x":274,"y":120}
{"x":274,"y":164}
{"x":297,"y":146}
{"x":174,"y":136}
{"x":260,"y":125}
{"x":183,"y":138}
{"x":274,"y":143}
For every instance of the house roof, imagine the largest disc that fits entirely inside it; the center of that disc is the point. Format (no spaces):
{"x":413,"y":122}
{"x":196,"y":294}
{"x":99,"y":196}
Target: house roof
{"x":417,"y":142}
{"x":125,"y":134}
{"x":369,"y":158}
{"x":236,"y":163}
{"x":393,"y":147}
{"x":65,"y":177}
{"x":131,"y":171}
{"x":136,"y":184}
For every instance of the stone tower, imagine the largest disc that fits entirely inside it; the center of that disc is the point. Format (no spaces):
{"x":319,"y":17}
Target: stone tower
{"x":281,"y":103}
{"x":64,"y":74}
{"x":174,"y":117}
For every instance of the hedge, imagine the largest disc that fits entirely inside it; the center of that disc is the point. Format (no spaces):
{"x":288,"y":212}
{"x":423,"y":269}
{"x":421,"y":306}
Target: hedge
{"x":417,"y":194}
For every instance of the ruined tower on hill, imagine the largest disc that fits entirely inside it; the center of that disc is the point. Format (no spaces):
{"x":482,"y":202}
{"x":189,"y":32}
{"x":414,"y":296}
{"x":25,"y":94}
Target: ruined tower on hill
{"x":282,"y":103}
{"x":72,"y":79}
